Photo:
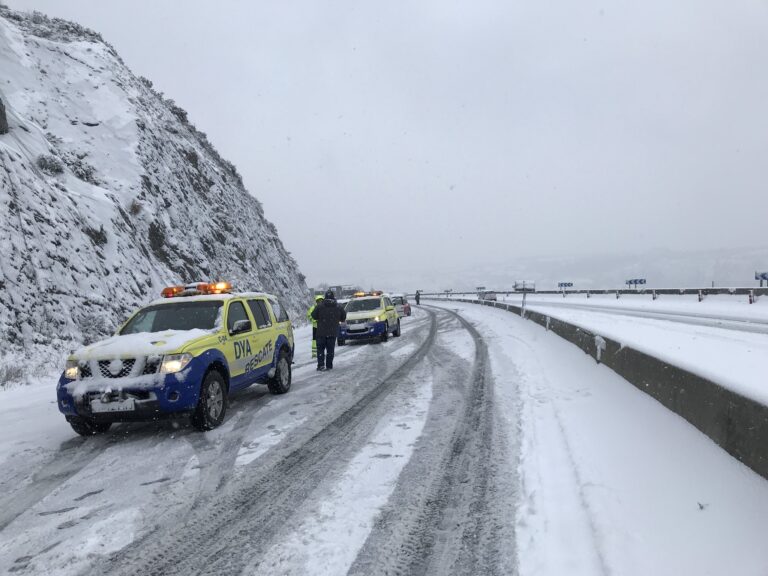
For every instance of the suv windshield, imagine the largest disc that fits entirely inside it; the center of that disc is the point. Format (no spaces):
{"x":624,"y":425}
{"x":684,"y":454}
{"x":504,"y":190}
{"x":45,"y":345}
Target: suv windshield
{"x":176,"y":316}
{"x":364,"y":305}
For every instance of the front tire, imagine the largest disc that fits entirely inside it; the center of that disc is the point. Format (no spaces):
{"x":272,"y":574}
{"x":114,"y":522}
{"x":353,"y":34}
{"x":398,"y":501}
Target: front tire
{"x":397,"y":332}
{"x":212,"y":405}
{"x":340,"y":341}
{"x":385,"y":335}
{"x":87,"y":427}
{"x":281,"y":382}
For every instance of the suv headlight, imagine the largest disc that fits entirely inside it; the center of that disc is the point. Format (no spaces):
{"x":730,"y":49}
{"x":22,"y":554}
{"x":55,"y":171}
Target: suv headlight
{"x":72,"y":370}
{"x":175,"y":363}
{"x":374,"y":319}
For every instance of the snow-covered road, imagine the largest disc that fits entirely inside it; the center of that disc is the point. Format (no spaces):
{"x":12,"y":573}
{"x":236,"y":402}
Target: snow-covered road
{"x":477,"y":443}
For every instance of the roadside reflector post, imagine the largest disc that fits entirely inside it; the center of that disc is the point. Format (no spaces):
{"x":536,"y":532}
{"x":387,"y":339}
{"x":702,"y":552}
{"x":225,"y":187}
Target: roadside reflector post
{"x":751,"y":296}
{"x":654,"y":295}
{"x":701,"y":295}
{"x":617,"y":294}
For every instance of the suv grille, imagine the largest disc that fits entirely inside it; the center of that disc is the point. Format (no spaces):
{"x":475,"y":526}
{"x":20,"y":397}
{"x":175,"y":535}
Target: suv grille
{"x":361,"y":321}
{"x":152,"y":365}
{"x":85,"y":370}
{"x":125,"y":368}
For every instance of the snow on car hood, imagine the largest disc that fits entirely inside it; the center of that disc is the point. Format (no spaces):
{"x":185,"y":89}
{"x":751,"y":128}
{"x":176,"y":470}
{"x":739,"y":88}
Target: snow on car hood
{"x":141,"y":344}
{"x":364,"y":314}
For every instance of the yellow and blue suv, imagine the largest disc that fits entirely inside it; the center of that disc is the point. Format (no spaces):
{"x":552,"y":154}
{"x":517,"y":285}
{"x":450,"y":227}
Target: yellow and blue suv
{"x":182,"y":354}
{"x":369,"y":316}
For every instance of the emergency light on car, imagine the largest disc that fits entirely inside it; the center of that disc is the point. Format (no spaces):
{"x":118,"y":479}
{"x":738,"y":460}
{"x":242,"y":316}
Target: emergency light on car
{"x":172,"y":291}
{"x":197,"y":289}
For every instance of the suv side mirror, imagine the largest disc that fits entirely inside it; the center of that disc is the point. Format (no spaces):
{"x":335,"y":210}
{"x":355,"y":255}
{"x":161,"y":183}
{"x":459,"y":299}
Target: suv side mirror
{"x":241,"y":326}
{"x":390,"y":308}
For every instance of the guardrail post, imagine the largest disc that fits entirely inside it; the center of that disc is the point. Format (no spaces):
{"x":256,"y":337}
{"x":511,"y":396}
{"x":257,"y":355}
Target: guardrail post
{"x":654,"y":295}
{"x":587,"y":293}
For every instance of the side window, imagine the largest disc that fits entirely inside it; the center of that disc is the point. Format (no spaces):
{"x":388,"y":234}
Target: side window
{"x":387,"y":302}
{"x":236,"y":312}
{"x":279,"y":310}
{"x":264,"y":314}
{"x":262,"y":320}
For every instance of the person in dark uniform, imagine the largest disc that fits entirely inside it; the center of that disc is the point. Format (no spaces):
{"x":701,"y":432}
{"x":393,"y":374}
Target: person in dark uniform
{"x":418,"y":297}
{"x":328,"y":314}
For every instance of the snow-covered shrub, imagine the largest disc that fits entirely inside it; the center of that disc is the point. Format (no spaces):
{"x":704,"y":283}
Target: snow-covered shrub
{"x":50,"y":164}
{"x":94,"y":327}
{"x":80,"y":168}
{"x":134,"y":208}
{"x":10,"y":373}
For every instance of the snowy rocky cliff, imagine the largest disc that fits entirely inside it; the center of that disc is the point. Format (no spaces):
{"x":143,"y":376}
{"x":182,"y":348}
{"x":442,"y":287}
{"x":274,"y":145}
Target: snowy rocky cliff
{"x":107,"y":194}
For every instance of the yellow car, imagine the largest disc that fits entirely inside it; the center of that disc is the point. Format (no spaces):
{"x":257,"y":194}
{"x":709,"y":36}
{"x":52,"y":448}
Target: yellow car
{"x":182,"y":354}
{"x":370,"y":317}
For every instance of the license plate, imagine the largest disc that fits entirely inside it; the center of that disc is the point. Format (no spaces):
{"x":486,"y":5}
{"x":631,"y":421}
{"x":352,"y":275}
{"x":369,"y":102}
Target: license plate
{"x":118,"y":406}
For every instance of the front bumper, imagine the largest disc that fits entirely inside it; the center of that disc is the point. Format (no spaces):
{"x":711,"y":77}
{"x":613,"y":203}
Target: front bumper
{"x":363,"y":331}
{"x":140,"y":398}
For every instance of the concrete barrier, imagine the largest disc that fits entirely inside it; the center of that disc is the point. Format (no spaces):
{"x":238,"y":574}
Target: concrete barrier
{"x":737,"y":424}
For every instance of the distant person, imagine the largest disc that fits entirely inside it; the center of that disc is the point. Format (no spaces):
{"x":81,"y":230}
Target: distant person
{"x":418,"y":298}
{"x":328,"y":315}
{"x":318,"y":299}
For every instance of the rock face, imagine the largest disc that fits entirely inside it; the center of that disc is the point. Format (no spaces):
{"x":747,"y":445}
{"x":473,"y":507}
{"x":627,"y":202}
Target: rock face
{"x":3,"y":119}
{"x":107,"y":194}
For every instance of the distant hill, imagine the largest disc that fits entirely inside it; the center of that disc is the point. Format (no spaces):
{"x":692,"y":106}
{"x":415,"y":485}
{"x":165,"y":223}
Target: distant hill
{"x":662,"y":268}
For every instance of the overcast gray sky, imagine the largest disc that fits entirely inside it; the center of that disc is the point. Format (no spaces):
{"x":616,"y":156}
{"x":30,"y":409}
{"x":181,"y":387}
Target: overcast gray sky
{"x":404,"y":135}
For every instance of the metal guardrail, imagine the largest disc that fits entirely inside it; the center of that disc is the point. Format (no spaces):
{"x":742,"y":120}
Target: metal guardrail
{"x":737,"y":424}
{"x":653,"y":292}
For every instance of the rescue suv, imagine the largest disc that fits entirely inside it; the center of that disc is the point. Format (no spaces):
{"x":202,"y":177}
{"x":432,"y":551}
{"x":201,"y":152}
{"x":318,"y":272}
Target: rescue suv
{"x":183,"y":354}
{"x":370,"y":315}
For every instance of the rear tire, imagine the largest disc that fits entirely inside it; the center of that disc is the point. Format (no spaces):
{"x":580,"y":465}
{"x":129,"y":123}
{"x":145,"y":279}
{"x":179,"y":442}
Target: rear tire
{"x":212,"y":405}
{"x":88,"y":427}
{"x":397,"y":332}
{"x":281,"y":382}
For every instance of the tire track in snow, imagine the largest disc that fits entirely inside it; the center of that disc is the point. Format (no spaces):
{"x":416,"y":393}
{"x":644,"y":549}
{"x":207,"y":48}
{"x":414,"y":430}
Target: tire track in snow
{"x":446,"y":516}
{"x":228,"y":531}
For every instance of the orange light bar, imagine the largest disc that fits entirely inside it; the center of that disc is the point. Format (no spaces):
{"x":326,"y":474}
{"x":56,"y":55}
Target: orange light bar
{"x":220,"y":288}
{"x":172,"y":291}
{"x":358,"y":294}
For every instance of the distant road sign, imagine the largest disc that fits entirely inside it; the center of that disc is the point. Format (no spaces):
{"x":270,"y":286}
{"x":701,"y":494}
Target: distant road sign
{"x":761,"y":275}
{"x":635,"y":281}
{"x":565,"y":284}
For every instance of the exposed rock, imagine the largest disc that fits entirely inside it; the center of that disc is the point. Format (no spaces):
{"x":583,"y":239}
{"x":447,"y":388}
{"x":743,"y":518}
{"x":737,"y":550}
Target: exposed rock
{"x":3,"y":119}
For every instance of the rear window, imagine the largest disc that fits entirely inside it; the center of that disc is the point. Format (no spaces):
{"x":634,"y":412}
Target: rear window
{"x":279,"y":311}
{"x":175,"y":316}
{"x":259,"y":311}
